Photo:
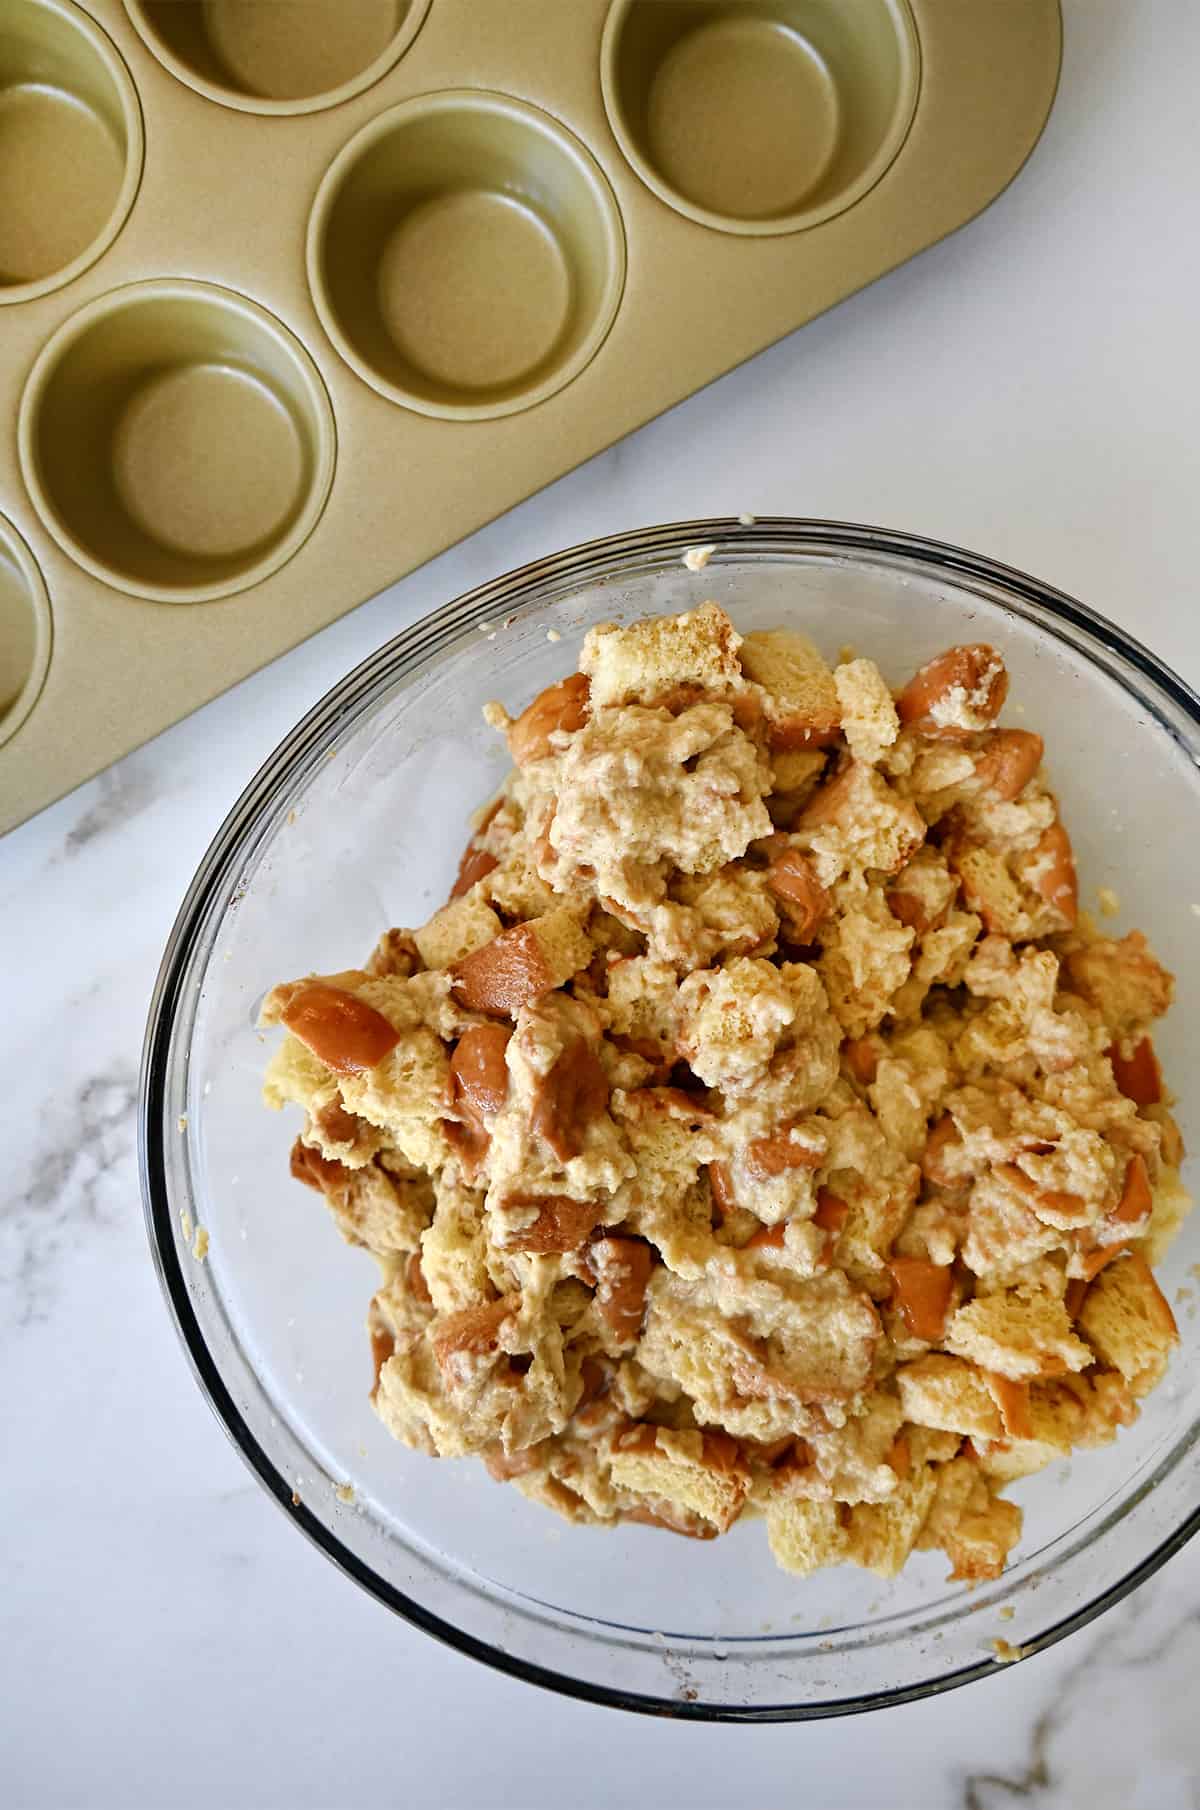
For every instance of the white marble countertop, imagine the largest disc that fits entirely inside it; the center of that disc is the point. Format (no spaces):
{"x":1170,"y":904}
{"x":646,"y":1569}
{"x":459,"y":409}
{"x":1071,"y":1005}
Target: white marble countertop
{"x":1027,"y":389}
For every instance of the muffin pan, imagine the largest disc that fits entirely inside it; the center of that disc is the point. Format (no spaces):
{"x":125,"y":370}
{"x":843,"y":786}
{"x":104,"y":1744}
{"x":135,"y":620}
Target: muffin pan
{"x":296,"y":293}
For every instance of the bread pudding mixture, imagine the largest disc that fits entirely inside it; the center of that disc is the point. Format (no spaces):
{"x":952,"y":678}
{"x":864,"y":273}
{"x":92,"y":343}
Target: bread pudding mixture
{"x":758,"y":1128}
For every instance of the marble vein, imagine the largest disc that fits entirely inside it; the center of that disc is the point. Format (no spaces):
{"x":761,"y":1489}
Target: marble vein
{"x":1133,"y":1650}
{"x":121,"y":794}
{"x":80,"y":1169}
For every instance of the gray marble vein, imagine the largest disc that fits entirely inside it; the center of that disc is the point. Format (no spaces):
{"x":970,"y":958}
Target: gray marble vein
{"x":1078,"y":1754}
{"x":118,"y":796}
{"x":81,"y":1169}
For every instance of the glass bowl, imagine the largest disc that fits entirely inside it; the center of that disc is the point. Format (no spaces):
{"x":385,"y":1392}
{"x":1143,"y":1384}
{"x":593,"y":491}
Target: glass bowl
{"x":356,"y":822}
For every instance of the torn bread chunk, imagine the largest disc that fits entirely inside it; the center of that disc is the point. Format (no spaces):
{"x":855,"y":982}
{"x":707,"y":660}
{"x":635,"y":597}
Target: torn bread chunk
{"x":653,"y":661}
{"x":856,"y":823}
{"x":521,"y":964}
{"x":758,"y":1129}
{"x":642,"y":793}
{"x":702,"y":1473}
{"x":456,"y":931}
{"x":1021,"y":1333}
{"x":1126,"y":1320}
{"x":868,"y":713}
{"x":802,"y":704}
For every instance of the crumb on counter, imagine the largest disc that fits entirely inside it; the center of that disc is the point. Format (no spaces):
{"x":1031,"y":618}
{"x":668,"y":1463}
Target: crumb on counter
{"x":1109,"y":902}
{"x":552,"y":634}
{"x":200,"y":1243}
{"x":344,"y":1492}
{"x":1006,"y":1653}
{"x":185,"y":1225}
{"x":696,"y":558}
{"x":746,"y":519}
{"x":495,"y":715}
{"x":182,"y":1121}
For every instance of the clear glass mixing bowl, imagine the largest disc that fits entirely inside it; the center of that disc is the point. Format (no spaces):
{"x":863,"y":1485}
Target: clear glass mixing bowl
{"x":355,"y":823}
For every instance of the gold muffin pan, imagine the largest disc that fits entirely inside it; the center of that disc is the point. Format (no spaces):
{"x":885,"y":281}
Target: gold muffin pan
{"x":296,"y":293}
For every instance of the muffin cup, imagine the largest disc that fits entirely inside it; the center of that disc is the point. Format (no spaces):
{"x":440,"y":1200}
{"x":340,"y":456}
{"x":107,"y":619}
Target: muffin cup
{"x":176,"y":441}
{"x":71,"y":145}
{"x":466,"y":255}
{"x":761,"y":117}
{"x":25,"y":630}
{"x":277,"y":56}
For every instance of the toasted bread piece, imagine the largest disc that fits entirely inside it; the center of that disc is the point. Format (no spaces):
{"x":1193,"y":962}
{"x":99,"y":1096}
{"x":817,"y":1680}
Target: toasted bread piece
{"x":651,"y":661}
{"x":803,"y":709}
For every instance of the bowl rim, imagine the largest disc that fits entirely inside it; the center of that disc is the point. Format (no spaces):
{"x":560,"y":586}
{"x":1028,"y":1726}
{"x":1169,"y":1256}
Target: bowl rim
{"x":602,"y":556}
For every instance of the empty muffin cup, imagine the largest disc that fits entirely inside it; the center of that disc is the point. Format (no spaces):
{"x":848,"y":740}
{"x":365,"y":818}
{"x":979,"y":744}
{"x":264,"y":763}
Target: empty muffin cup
{"x":24,"y":630}
{"x":278,"y":56}
{"x":760,"y":116}
{"x":176,"y":441}
{"x":466,"y":254}
{"x":71,"y":145}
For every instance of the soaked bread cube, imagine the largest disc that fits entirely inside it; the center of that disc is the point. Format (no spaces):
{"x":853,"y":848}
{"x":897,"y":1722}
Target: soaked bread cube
{"x":807,"y":1536}
{"x":974,"y":1527}
{"x":948,"y":1394}
{"x":881,"y":1535}
{"x":651,"y":660}
{"x":795,"y":775}
{"x":454,"y":1248}
{"x":671,"y":1138}
{"x":642,"y":794}
{"x":521,"y":964}
{"x":734,"y":1020}
{"x":701,"y":1473}
{"x":1123,"y":981}
{"x":956,"y":694}
{"x":385,"y":1205}
{"x":1022,"y":1334}
{"x":869,"y":721}
{"x":1085,"y":1410}
{"x":865,"y":960}
{"x":803,"y":710}
{"x":455,"y":931}
{"x":856,"y":823}
{"x":1127,"y":1322}
{"x":554,"y":714}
